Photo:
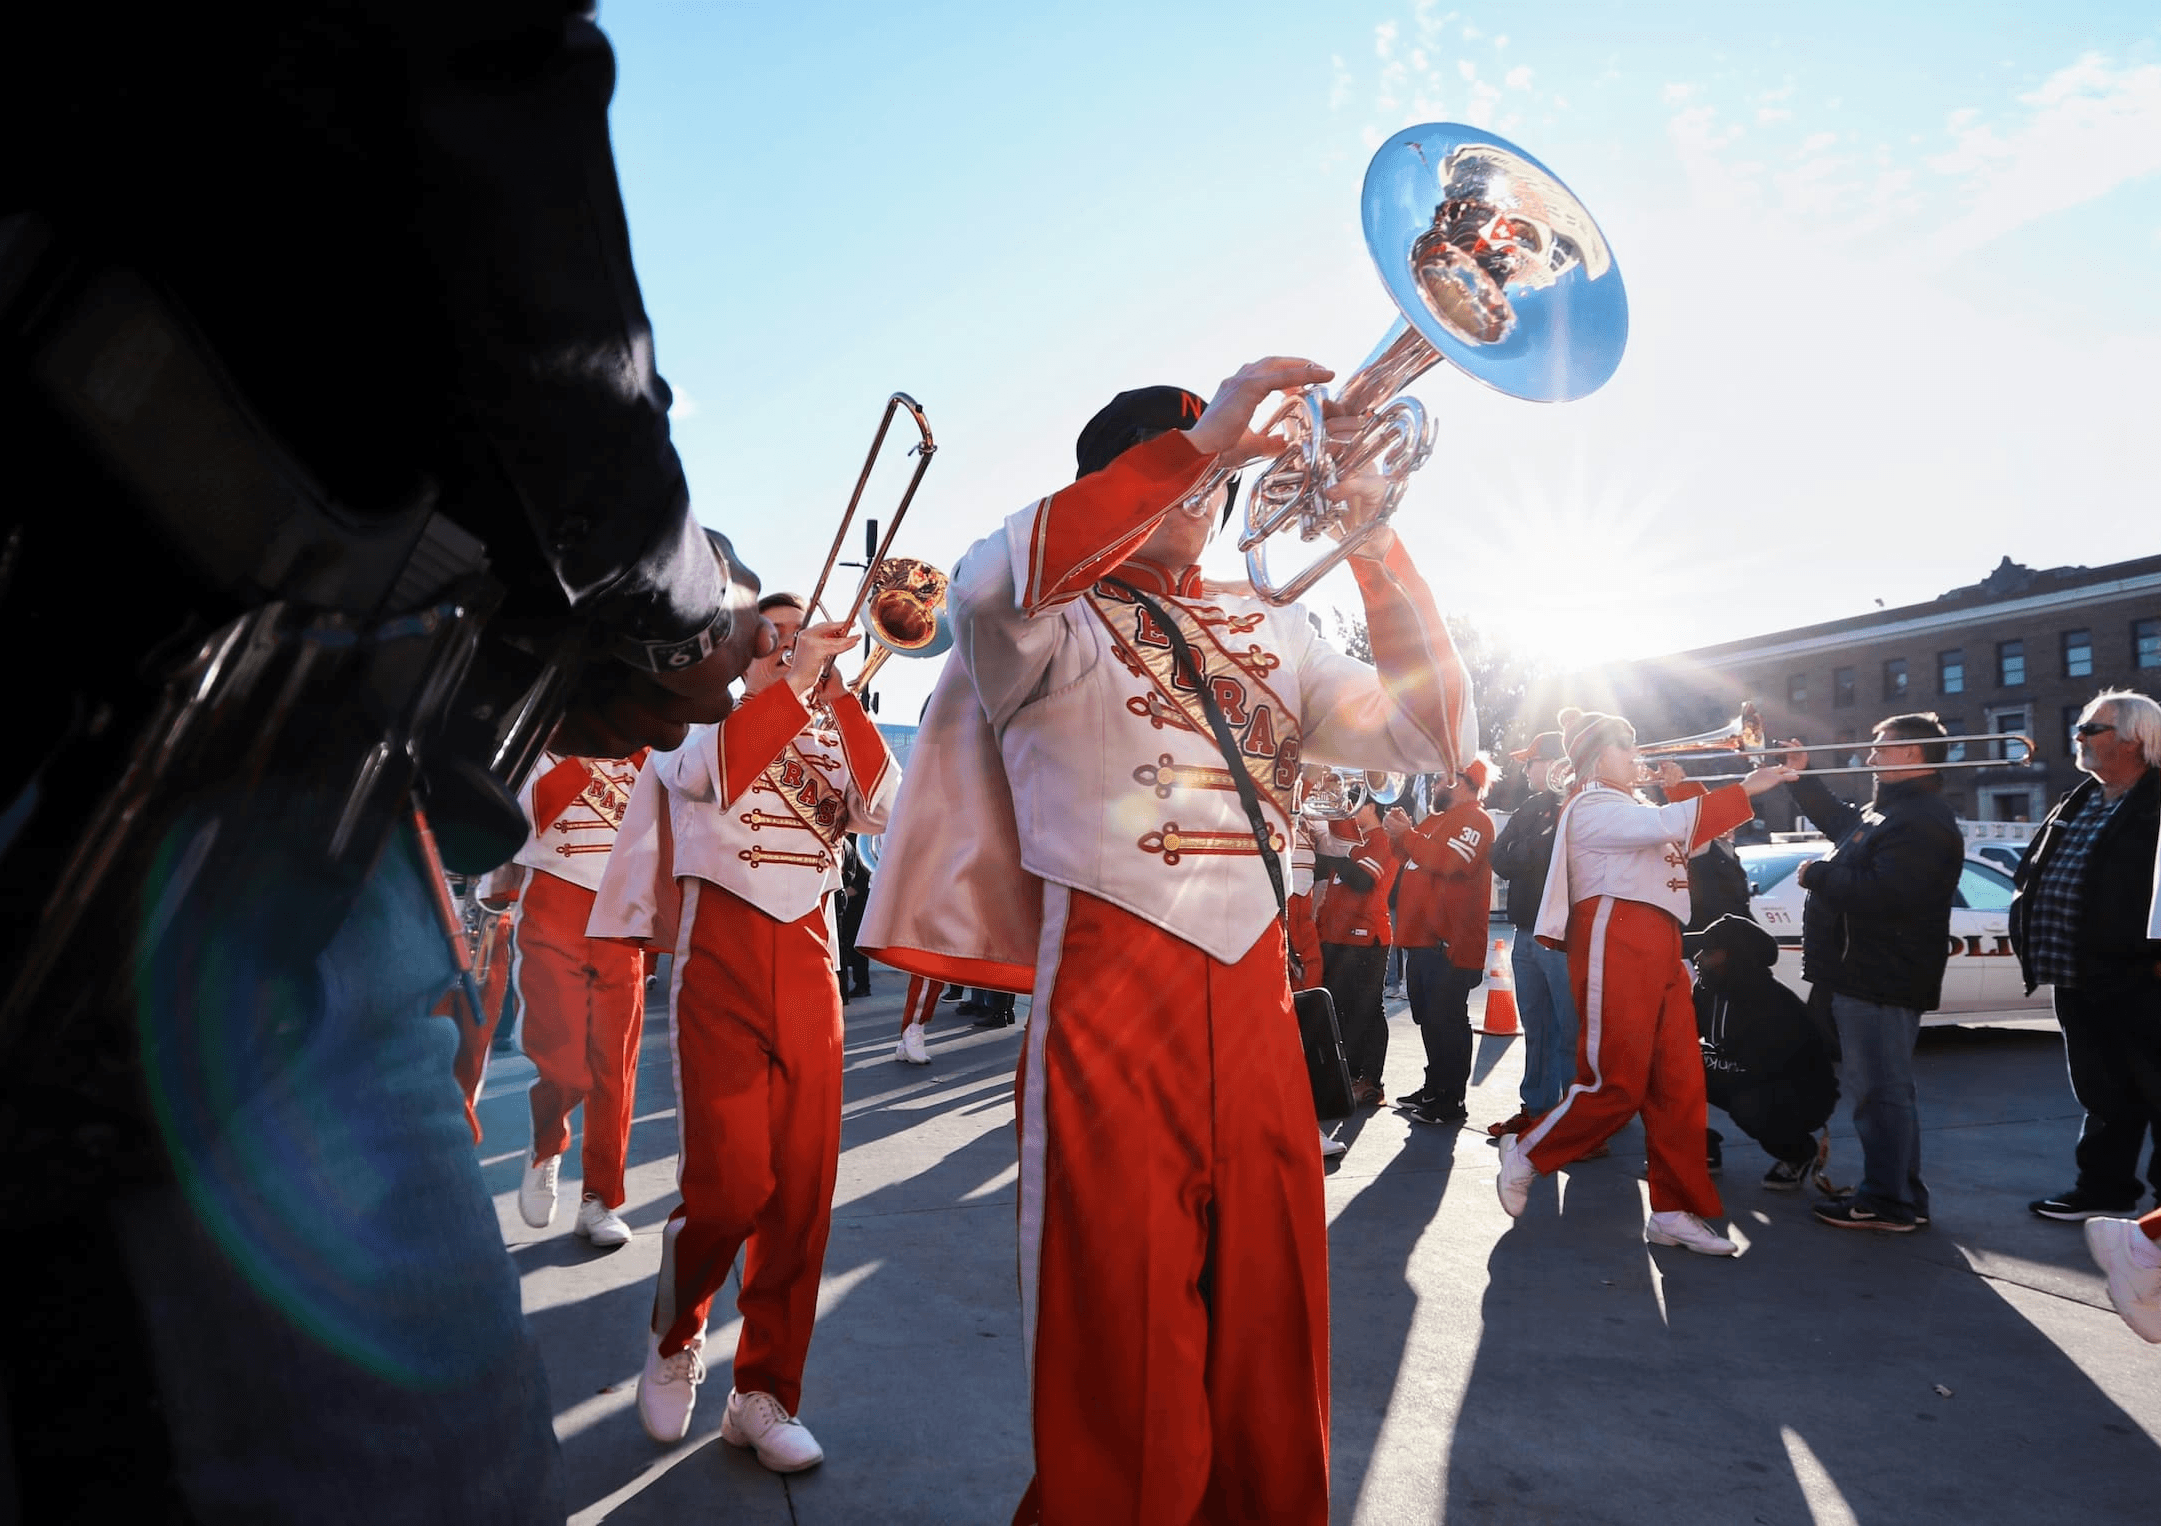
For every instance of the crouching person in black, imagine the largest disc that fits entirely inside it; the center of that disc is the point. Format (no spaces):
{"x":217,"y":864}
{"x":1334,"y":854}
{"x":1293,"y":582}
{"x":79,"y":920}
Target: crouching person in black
{"x":1764,"y":1060}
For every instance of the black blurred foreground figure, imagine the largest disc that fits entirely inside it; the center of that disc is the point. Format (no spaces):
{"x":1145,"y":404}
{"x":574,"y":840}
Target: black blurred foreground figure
{"x":340,"y":474}
{"x":1764,"y":1060}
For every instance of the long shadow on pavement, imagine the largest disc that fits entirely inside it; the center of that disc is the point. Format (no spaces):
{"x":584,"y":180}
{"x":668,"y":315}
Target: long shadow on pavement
{"x":1825,"y":1375}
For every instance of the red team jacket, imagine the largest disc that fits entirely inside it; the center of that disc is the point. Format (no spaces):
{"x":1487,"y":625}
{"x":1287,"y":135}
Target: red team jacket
{"x":1447,"y":884}
{"x":1358,"y":916}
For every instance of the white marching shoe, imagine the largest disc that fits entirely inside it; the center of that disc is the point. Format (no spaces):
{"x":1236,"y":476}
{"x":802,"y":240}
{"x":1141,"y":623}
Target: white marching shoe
{"x":536,"y":1193}
{"x":2133,"y":1263}
{"x":1331,"y":1146}
{"x":1689,"y":1232}
{"x":1514,"y":1183}
{"x":601,"y":1224}
{"x":783,"y":1443}
{"x":668,"y":1390}
{"x":912,"y":1050}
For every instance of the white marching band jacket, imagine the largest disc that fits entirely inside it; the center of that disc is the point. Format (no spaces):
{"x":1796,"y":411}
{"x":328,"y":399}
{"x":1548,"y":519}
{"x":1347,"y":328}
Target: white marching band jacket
{"x":1610,"y":842}
{"x":583,"y":801}
{"x":1064,"y":744}
{"x":758,"y":805}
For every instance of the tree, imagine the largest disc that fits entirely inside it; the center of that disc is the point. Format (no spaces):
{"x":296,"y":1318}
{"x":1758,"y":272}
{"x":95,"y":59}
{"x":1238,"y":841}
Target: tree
{"x":1500,"y":680}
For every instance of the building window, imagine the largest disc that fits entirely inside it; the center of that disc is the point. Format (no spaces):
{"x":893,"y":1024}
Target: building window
{"x":2146,"y":643}
{"x":2010,"y":664}
{"x":1797,"y":692}
{"x":2010,"y":718}
{"x":2078,"y":654}
{"x":1951,"y":671}
{"x":1954,"y":752}
{"x":1842,"y":689}
{"x":1894,"y":679}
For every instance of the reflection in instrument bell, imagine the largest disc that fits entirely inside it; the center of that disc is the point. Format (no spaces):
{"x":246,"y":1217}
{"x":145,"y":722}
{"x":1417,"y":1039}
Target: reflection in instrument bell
{"x":901,"y":614}
{"x":1494,"y":266}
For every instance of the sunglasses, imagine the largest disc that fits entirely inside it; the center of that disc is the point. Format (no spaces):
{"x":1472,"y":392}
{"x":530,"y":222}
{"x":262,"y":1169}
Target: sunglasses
{"x":2091,"y":728}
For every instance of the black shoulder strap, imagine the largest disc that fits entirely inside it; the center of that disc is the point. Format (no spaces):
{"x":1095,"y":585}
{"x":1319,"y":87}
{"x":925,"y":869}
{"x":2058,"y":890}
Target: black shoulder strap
{"x":1227,"y":744}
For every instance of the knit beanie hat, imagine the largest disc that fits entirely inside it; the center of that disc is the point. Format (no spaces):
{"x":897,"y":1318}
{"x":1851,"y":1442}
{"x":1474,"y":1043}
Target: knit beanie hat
{"x":1587,"y":733}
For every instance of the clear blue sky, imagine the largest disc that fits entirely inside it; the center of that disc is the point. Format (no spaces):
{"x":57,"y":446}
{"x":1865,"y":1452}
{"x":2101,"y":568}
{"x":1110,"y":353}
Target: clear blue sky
{"x":1892,"y":270}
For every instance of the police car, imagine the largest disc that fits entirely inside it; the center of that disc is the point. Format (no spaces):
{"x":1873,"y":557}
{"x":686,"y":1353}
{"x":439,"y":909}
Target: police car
{"x":1981,"y":981}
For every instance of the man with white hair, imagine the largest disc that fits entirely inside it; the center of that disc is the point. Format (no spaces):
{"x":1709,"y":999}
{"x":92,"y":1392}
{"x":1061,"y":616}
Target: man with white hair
{"x":2080,"y":924}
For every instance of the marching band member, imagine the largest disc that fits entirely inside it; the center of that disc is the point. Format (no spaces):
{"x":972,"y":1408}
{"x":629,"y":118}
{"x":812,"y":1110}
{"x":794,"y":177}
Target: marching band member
{"x":583,"y":998}
{"x":1617,"y":895}
{"x":1441,"y":916}
{"x":1360,"y":865}
{"x":744,"y":822}
{"x":1173,"y":1260}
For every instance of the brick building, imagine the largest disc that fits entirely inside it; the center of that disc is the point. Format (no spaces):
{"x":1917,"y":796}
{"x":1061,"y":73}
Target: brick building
{"x":2021,"y":650}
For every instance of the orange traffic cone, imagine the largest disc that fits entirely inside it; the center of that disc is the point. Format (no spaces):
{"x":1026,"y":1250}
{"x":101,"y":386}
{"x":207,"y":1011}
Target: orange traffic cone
{"x":1500,"y":994}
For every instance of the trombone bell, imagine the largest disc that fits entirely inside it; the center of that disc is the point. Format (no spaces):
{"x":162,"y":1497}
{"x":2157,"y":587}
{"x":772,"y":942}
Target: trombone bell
{"x":1744,"y":733}
{"x":901,"y":611}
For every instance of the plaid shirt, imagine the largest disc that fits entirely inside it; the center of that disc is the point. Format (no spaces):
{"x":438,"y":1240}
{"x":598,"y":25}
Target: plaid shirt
{"x":2052,"y":933}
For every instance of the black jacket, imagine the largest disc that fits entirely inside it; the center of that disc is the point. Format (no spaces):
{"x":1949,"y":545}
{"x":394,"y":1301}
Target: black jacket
{"x":1524,"y":853}
{"x":2118,"y":888}
{"x":1877,"y":923}
{"x":398,"y":223}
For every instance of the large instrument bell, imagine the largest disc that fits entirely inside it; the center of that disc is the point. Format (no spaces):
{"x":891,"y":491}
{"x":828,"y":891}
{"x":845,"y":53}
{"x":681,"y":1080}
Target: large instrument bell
{"x":1494,"y":266}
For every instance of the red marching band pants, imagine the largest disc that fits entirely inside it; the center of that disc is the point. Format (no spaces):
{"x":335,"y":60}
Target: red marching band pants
{"x":1636,"y":1052}
{"x":584,"y":1007}
{"x":921,"y":1000}
{"x":1173,"y":1241}
{"x":756,"y":1034}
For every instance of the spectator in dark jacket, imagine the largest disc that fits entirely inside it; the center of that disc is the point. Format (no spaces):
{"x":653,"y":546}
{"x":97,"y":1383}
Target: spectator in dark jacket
{"x":1764,"y":1061}
{"x":2080,"y":924}
{"x":1875,"y":935}
{"x":1543,"y":1001}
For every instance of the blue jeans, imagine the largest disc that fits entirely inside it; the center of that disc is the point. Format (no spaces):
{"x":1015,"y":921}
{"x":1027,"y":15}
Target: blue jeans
{"x":334,"y":1326}
{"x":1875,"y":1071}
{"x":1547,"y":1009}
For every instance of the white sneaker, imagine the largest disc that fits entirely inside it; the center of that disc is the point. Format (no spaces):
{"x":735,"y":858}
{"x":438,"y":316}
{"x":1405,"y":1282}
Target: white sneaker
{"x":1514,"y":1182}
{"x":1689,"y":1232}
{"x":536,"y":1194}
{"x":911,"y":1050}
{"x":1331,"y":1146}
{"x":668,"y":1390}
{"x":783,"y":1443}
{"x":601,"y":1224}
{"x":2133,"y":1264}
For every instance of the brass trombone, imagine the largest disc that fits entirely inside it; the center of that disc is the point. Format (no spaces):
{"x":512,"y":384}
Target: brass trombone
{"x":923,"y":450}
{"x":2008,"y":738}
{"x":1745,"y":734}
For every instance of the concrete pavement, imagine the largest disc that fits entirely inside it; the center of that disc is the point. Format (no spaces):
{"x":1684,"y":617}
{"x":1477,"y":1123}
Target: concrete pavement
{"x":1553,"y":1370}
